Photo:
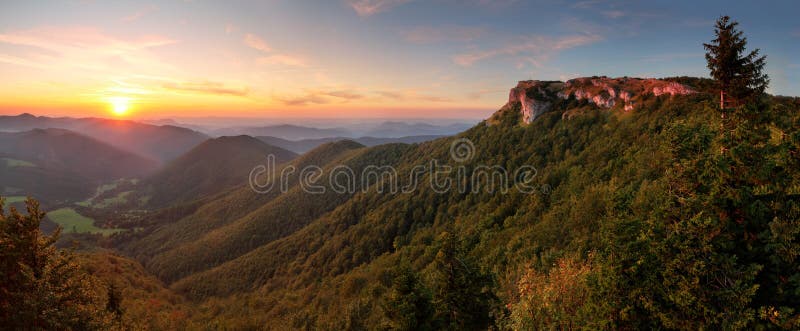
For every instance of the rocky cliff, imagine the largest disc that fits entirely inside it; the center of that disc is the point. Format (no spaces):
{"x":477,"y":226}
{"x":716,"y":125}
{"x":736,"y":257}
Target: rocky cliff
{"x":537,"y":97}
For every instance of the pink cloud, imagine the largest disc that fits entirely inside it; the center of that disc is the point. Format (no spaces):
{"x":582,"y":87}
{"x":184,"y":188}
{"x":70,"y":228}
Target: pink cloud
{"x":321,"y":97}
{"x":371,"y":7}
{"x":255,"y":42}
{"x":85,"y":47}
{"x":207,"y":87}
{"x":411,"y":95}
{"x":531,"y":49}
{"x":282,"y":59}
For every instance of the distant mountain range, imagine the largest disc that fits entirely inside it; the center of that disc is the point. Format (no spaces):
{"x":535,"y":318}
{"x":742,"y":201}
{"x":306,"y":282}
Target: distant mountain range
{"x":166,"y":139}
{"x":391,"y":129}
{"x":305,"y":145}
{"x":162,"y":143}
{"x":285,"y":131}
{"x":403,"y":129}
{"x":59,"y":165}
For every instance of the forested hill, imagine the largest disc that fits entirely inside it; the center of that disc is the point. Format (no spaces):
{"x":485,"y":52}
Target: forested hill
{"x":664,"y":214}
{"x":213,"y":166}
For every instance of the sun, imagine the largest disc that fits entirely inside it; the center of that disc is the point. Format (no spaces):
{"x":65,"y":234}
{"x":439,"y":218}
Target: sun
{"x":120,"y":105}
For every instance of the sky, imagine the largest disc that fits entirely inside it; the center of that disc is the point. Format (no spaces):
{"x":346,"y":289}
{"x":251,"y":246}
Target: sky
{"x":353,"y":58}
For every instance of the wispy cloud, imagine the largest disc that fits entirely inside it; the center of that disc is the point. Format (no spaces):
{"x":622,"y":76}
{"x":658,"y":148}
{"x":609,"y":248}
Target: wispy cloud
{"x":406,"y":95}
{"x":86,"y":48}
{"x":282,"y":59}
{"x":586,"y":4}
{"x":207,"y":87}
{"x":366,"y":8}
{"x":613,"y":14}
{"x":140,"y":13}
{"x":272,"y":58}
{"x":321,"y":97}
{"x":427,"y":34}
{"x":534,"y":49}
{"x":255,"y":42}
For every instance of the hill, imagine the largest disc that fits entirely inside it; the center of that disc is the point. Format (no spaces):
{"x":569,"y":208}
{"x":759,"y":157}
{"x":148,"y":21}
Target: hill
{"x":161,"y":143}
{"x":608,"y":198}
{"x":392,"y":129}
{"x":305,"y":145}
{"x":213,"y":166}
{"x":284,"y":131}
{"x":61,"y":165}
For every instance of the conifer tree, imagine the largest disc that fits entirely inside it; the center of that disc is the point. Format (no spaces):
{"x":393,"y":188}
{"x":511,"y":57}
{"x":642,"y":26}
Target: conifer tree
{"x":42,"y":287}
{"x":739,"y":75}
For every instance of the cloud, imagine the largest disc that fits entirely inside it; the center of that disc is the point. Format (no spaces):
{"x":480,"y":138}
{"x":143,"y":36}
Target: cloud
{"x":410,"y":95}
{"x":613,"y":14}
{"x":207,"y":87}
{"x":586,"y":4}
{"x":529,"y":49}
{"x":86,"y":48}
{"x":426,"y":35}
{"x":366,"y":8}
{"x":256,"y":43}
{"x":139,"y":14}
{"x":282,"y":59}
{"x":321,"y":97}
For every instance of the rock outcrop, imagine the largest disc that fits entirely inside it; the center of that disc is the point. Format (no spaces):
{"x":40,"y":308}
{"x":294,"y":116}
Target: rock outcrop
{"x":537,"y":97}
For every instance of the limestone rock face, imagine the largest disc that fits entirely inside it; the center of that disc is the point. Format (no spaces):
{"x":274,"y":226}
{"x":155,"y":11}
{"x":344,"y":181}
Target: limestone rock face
{"x":531,"y":107}
{"x":537,"y":97}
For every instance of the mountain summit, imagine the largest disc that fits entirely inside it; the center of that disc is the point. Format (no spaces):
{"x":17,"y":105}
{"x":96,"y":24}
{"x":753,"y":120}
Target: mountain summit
{"x":537,"y":97}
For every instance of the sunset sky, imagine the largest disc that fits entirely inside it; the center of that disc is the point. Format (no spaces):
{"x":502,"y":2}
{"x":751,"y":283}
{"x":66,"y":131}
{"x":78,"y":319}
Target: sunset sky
{"x":352,"y":58}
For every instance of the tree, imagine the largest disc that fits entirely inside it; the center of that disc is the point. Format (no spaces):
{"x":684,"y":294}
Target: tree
{"x":740,"y":76}
{"x":114,"y":302}
{"x":462,"y":295}
{"x":408,"y":306}
{"x":42,"y":287}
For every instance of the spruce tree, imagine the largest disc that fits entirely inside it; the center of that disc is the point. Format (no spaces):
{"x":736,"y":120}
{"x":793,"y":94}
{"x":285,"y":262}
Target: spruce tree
{"x":739,"y":74}
{"x":42,"y":287}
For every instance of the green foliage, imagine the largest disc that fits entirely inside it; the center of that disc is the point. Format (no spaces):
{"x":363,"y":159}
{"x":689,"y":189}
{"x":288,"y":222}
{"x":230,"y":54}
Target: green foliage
{"x":462,"y":293}
{"x":42,"y":287}
{"x":407,"y":306}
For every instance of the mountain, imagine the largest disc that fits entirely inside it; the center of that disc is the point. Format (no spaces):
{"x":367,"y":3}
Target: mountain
{"x":390,"y":129}
{"x":284,"y":131}
{"x":304,"y":145}
{"x":393,"y":129}
{"x":213,"y":166}
{"x":161,"y":143}
{"x":182,"y":224}
{"x":58,"y":165}
{"x":563,"y":203}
